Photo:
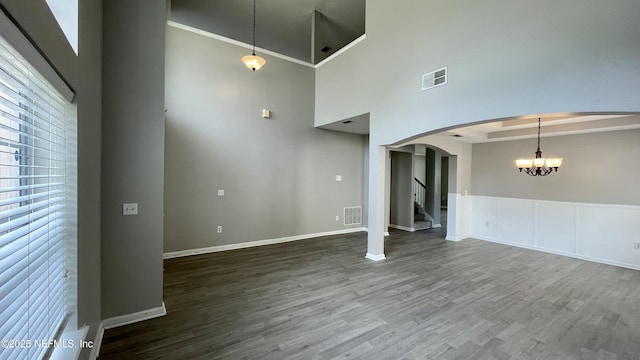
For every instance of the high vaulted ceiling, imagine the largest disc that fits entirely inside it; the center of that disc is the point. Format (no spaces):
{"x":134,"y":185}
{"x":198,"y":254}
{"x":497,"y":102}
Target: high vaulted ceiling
{"x":282,"y":26}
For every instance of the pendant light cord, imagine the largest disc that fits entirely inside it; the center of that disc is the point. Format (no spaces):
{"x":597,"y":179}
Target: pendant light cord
{"x":254,"y":27}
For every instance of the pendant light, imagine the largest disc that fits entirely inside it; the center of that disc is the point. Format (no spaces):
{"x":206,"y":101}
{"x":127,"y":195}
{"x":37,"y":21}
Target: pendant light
{"x":253,"y":61}
{"x":538,"y":166}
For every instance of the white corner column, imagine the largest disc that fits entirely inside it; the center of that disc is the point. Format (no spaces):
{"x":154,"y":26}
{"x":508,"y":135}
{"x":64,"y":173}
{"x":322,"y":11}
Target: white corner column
{"x":377,"y":204}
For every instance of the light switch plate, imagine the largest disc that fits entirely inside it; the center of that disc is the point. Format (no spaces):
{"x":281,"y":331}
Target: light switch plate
{"x":129,"y":209}
{"x":220,"y":192}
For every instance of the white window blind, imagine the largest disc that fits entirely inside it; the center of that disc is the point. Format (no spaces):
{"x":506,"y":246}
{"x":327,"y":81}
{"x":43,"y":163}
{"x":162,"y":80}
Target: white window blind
{"x":32,"y":207}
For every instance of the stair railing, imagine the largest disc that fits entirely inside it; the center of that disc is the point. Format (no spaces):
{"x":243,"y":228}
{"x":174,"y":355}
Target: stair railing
{"x":419,"y":191}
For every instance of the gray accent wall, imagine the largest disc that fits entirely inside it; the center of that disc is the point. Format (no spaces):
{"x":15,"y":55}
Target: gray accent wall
{"x":278,"y":174}
{"x":89,"y":100}
{"x":598,"y":168}
{"x":401,"y":190}
{"x":132,"y":155}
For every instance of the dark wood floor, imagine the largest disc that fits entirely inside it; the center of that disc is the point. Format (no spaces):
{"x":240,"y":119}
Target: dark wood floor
{"x":431,"y":299}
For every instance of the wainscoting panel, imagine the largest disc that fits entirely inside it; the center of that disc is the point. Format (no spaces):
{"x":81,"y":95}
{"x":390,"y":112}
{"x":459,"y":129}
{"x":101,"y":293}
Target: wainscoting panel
{"x":610,"y":233}
{"x":555,"y":227}
{"x":598,"y":232}
{"x":519,"y":227}
{"x":484,"y":217}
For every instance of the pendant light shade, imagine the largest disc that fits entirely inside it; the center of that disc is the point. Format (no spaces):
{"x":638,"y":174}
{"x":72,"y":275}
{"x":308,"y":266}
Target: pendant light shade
{"x":253,"y":61}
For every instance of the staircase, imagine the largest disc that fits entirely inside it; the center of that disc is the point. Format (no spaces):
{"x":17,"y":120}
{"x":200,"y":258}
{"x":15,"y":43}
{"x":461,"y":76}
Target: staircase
{"x":421,"y":219}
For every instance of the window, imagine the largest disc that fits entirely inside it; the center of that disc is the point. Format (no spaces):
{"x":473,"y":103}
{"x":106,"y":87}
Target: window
{"x":33,"y":165}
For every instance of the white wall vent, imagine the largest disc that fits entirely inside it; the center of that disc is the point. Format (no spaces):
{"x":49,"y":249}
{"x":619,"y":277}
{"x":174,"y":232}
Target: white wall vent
{"x":434,"y":78}
{"x":352,"y":215}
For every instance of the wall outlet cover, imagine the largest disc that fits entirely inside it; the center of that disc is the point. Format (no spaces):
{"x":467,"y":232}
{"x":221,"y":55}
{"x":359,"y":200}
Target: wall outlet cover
{"x":129,"y":209}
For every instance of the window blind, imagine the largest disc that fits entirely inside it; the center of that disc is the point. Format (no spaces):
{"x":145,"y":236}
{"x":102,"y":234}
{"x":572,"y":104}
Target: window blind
{"x":32,"y":208}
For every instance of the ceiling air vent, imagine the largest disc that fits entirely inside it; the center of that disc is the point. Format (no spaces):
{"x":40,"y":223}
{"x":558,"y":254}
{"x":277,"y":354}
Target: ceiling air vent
{"x":434,"y":78}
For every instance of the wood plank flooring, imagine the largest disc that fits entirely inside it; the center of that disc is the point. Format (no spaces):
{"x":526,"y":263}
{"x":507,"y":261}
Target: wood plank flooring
{"x":431,"y":299}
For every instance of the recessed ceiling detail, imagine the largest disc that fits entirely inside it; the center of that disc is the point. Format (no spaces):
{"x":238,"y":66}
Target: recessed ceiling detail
{"x":552,"y":125}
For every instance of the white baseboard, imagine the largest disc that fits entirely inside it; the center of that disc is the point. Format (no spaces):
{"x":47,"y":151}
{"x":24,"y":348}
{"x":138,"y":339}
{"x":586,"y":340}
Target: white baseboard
{"x":457,"y":238}
{"x":97,"y":342}
{"x":122,"y":320}
{"x":135,"y":317}
{"x":375,"y":257}
{"x":400,"y":227}
{"x":563,"y":253}
{"x":212,"y":249}
{"x":436,"y":226}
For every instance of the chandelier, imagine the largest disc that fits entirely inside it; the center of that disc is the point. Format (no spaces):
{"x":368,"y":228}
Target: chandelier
{"x":538,"y":166}
{"x":253,"y":61}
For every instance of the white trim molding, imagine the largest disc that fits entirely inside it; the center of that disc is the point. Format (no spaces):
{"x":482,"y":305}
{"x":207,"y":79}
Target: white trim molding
{"x":342,"y":50}
{"x":603,"y":233}
{"x":135,"y":317}
{"x":97,"y":342}
{"x":122,"y":320}
{"x":212,"y":249}
{"x":400,"y":227}
{"x":458,"y":238}
{"x":265,"y":51}
{"x":373,"y":257}
{"x":237,"y":43}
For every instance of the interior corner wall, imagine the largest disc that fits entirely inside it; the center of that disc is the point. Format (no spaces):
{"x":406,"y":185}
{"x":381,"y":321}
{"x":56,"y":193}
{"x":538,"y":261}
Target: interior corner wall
{"x":89,"y":110}
{"x":133,"y":155}
{"x":596,"y":168}
{"x":278,"y":174}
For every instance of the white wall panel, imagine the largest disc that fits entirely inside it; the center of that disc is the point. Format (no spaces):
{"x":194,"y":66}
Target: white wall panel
{"x":556,"y":227}
{"x":516,"y":221}
{"x":609,"y":233}
{"x":598,"y":232}
{"x":484,"y":217}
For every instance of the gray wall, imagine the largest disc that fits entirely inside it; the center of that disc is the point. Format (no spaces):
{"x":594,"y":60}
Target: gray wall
{"x":278,"y":174}
{"x":444,"y":180}
{"x":89,"y":100}
{"x":401,"y":191}
{"x":133,"y":155}
{"x":598,"y":168}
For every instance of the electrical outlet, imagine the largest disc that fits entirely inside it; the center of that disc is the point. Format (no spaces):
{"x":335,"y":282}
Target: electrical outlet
{"x":220,"y":192}
{"x":636,"y":245}
{"x":337,"y":218}
{"x":219,"y":230}
{"x":129,"y":209}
